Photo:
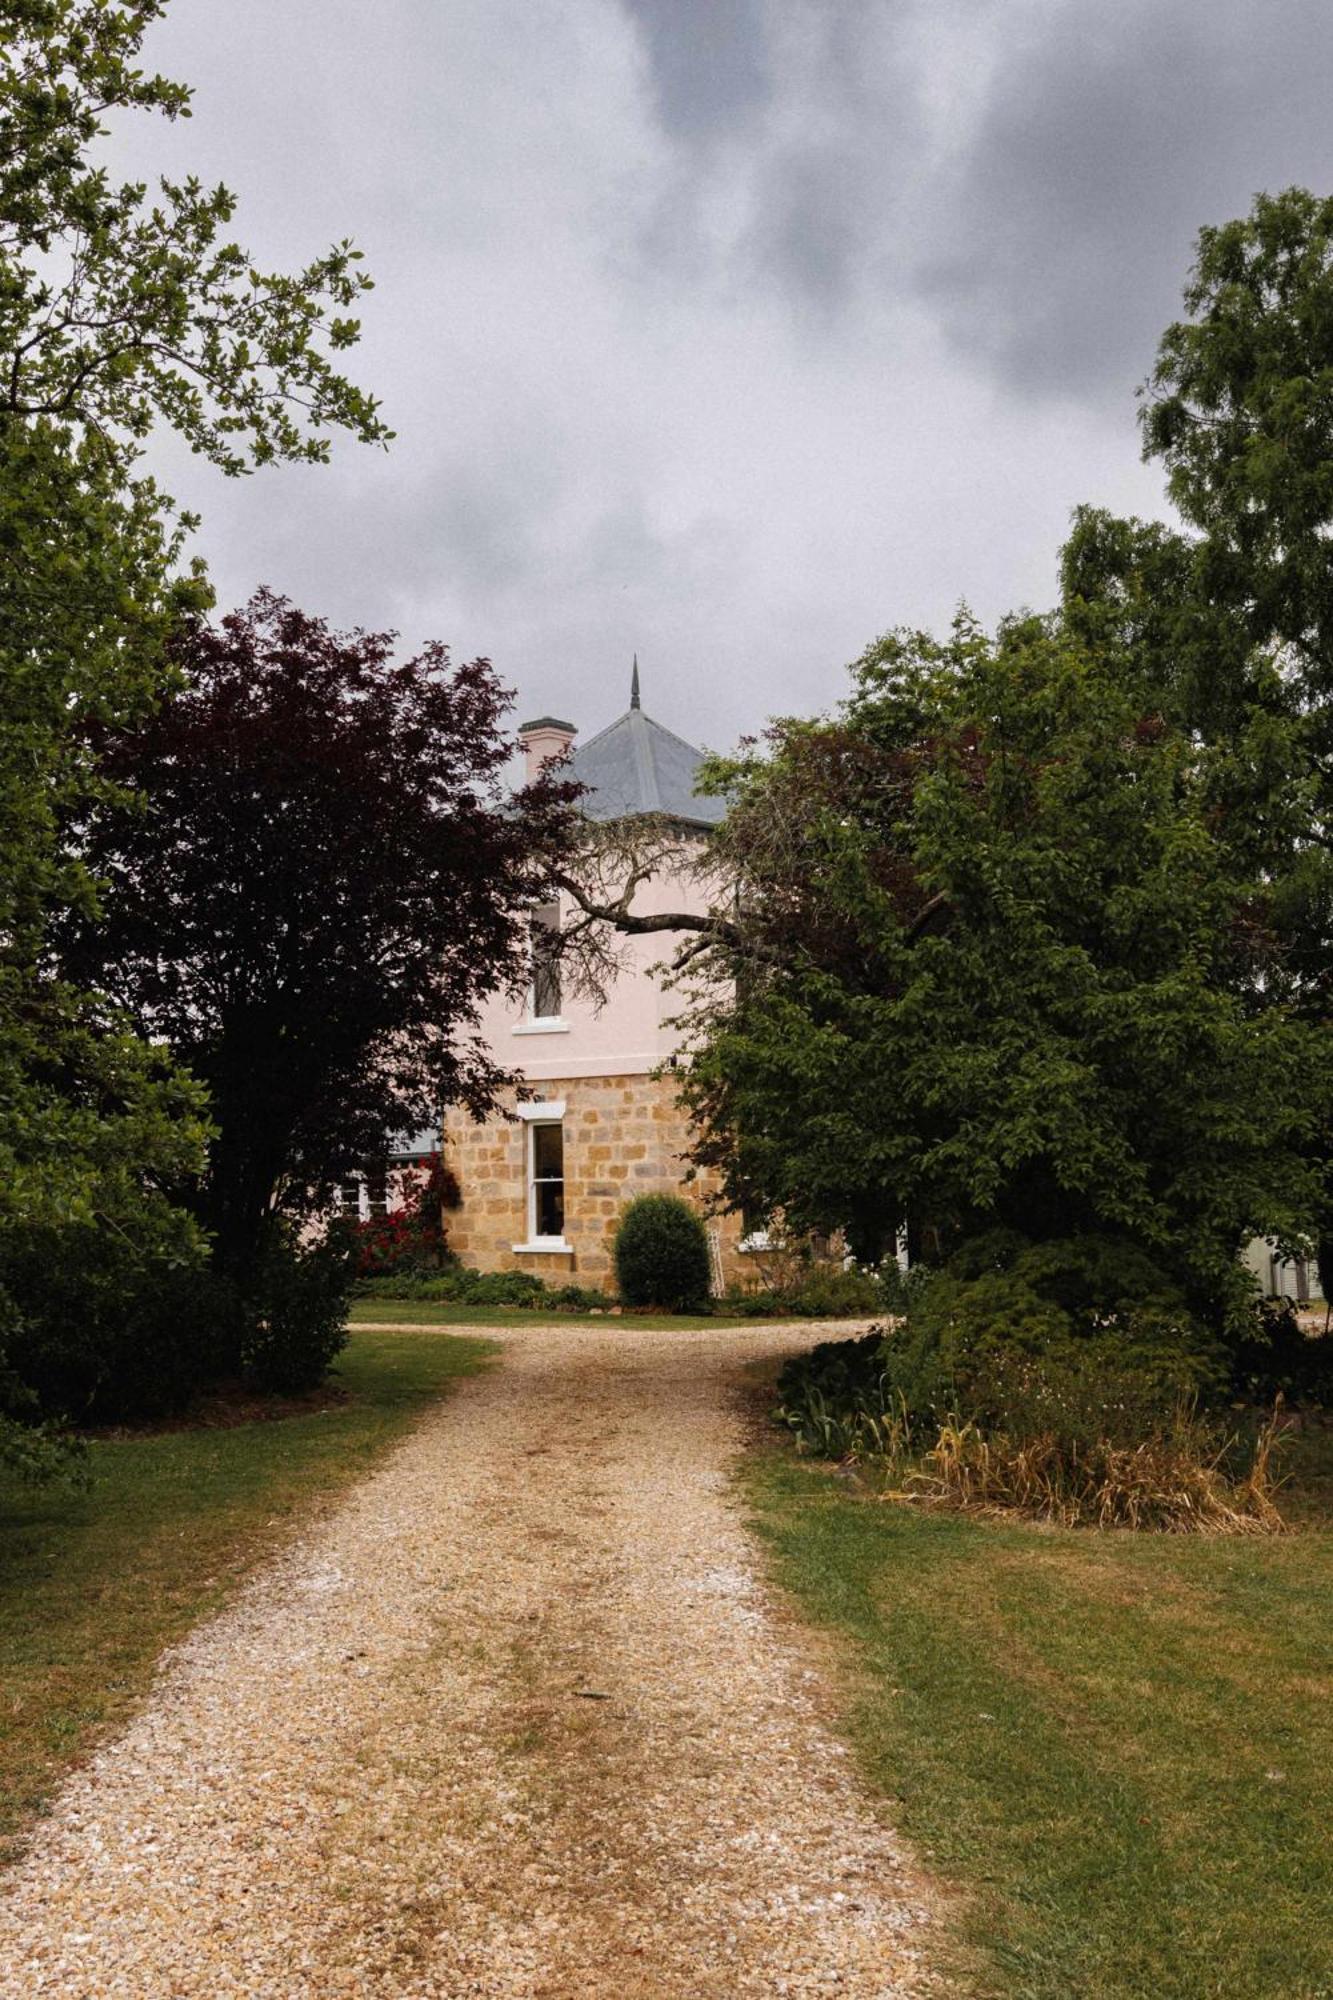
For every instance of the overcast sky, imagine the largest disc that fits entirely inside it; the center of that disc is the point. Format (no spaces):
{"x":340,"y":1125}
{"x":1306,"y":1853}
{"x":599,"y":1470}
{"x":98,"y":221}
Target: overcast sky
{"x":730,"y":331}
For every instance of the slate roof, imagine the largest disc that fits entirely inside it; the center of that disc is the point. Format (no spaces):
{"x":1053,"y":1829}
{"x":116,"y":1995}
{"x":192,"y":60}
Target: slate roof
{"x":637,"y":766}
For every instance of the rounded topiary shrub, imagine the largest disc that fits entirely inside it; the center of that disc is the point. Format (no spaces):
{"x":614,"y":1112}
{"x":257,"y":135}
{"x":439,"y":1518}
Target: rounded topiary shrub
{"x":662,"y":1255}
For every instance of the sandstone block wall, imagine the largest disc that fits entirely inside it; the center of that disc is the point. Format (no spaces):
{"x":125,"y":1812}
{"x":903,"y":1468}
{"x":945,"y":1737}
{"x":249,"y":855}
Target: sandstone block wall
{"x":624,"y":1135}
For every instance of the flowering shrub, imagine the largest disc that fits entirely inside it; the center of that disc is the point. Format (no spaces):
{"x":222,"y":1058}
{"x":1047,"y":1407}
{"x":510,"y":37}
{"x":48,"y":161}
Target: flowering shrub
{"x":411,"y":1237}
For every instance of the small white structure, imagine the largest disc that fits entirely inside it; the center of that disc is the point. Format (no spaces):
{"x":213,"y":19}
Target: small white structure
{"x":1279,"y":1277}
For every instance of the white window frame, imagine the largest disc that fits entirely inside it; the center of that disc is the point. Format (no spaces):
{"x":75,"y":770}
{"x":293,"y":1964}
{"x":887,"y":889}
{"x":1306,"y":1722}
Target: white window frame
{"x":535,"y":1023}
{"x":541,"y":1111}
{"x":364,"y":1208}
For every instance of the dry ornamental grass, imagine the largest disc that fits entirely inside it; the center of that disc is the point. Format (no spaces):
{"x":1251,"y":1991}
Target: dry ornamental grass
{"x":1174,"y":1482}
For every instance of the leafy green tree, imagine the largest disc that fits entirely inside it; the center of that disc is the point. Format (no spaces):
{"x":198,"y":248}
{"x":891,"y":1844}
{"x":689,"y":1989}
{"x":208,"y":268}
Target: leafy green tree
{"x":119,"y":311}
{"x":1230,"y":619}
{"x":982,"y":969}
{"x":1039,"y":931}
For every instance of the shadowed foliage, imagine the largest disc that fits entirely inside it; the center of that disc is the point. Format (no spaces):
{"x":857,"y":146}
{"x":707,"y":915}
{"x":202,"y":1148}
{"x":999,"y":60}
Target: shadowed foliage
{"x":313,"y":878}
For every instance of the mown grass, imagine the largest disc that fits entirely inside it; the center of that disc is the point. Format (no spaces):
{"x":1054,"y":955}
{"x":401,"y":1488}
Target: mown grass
{"x":94,"y":1584}
{"x":435,"y":1312}
{"x":1118,"y":1748}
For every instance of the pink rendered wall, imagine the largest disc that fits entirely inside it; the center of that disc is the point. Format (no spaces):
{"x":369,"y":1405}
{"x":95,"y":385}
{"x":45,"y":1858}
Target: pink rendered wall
{"x":629,"y":1036}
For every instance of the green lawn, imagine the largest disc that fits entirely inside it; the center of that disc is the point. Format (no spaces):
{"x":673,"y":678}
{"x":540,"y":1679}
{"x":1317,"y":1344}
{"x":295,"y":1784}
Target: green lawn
{"x":1118,"y":1749}
{"x":93,"y":1585}
{"x":432,"y":1312}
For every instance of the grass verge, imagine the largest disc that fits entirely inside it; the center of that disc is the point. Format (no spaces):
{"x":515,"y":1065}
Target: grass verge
{"x":1119,"y":1747}
{"x":93,"y":1585}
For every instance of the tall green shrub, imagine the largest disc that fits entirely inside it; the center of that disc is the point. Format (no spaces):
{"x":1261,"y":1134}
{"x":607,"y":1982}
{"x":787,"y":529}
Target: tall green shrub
{"x":1083,"y":1331}
{"x":108,"y":1329}
{"x":297,"y":1311}
{"x":662,"y":1254}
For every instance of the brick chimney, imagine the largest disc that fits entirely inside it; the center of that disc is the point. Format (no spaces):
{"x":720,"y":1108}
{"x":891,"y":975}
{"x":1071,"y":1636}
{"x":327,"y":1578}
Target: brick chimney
{"x":542,"y":740}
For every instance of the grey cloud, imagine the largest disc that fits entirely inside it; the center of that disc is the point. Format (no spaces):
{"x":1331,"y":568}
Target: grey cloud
{"x":819,"y":219}
{"x":722,"y":444}
{"x":1045,"y":218}
{"x":708,"y":60}
{"x":467,"y":533}
{"x":488,"y":519}
{"x":1105,"y":143}
{"x":818,"y":112}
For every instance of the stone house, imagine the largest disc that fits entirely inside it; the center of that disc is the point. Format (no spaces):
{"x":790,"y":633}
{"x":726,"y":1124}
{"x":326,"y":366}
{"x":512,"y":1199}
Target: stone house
{"x":544,"y":1182}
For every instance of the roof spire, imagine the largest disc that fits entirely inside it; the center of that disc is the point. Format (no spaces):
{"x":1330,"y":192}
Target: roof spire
{"x":634,"y":685}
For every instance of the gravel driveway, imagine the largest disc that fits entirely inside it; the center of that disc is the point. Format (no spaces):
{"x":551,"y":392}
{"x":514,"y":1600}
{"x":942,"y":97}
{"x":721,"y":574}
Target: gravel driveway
{"x":515,"y":1720}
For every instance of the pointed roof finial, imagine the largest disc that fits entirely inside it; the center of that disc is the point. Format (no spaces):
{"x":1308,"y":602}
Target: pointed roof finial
{"x":634,"y":684}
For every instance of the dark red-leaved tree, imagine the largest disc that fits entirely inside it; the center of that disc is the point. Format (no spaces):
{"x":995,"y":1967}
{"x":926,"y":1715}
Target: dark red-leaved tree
{"x":317,"y":879}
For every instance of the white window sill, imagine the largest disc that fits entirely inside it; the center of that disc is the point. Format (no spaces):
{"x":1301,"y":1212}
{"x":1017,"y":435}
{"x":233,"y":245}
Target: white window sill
{"x":554,"y":1246}
{"x":550,"y":1024}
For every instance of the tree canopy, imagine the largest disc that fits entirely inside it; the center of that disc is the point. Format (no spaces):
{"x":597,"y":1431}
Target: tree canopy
{"x":121,"y":309}
{"x":1230,"y":617}
{"x":991,"y":965}
{"x":312,"y":878}
{"x":118,"y":312}
{"x":1240,"y":408}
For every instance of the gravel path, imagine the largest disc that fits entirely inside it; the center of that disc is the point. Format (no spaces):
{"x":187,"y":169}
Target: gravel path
{"x":515,"y":1720}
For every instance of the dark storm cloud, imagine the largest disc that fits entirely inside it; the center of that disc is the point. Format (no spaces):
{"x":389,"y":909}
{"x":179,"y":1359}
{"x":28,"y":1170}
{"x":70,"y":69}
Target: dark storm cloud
{"x":659,"y":295}
{"x":708,"y":61}
{"x":1033,"y":175}
{"x":790,"y":118}
{"x":1108,"y":136}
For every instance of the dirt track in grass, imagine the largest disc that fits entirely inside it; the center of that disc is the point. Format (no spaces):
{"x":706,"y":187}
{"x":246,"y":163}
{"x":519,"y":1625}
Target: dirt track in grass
{"x":518,"y":1720}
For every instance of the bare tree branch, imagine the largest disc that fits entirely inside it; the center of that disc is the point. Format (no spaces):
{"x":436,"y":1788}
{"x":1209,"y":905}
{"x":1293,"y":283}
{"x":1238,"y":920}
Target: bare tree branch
{"x":619,"y":915}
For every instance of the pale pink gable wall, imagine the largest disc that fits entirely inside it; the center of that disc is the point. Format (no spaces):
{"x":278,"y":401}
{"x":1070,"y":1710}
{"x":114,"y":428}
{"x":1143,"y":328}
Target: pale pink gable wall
{"x":629,"y":1036}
